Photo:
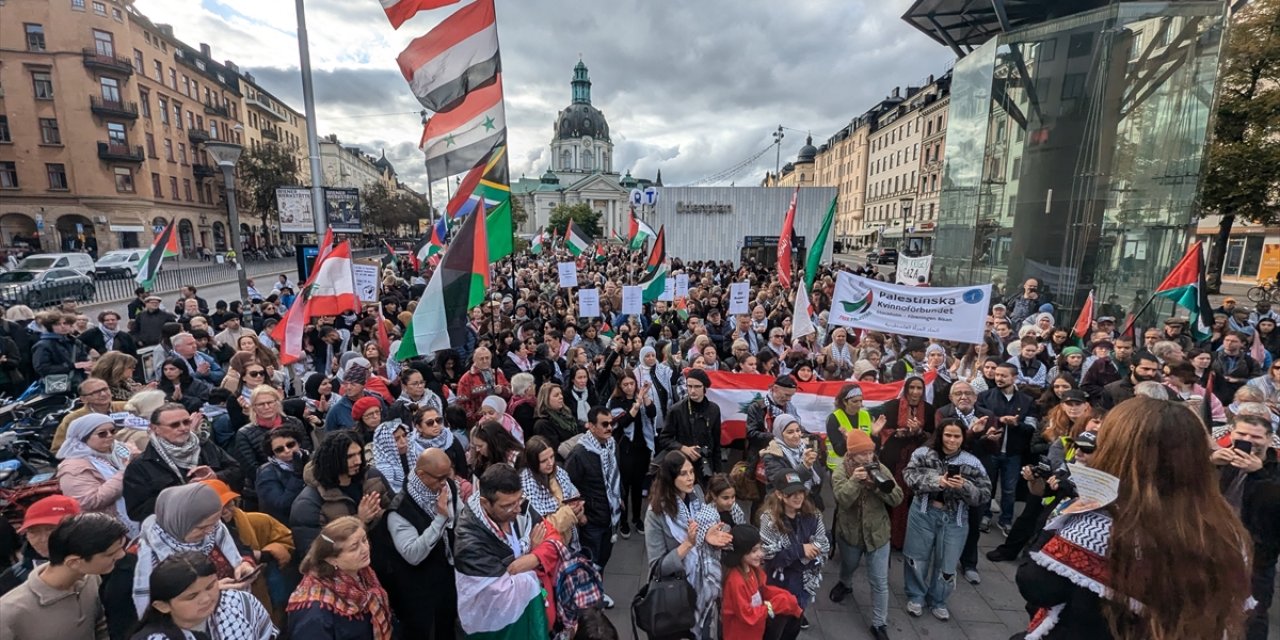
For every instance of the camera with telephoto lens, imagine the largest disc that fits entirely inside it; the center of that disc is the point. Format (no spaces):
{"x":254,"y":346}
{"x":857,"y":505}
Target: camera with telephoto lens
{"x":1042,"y":470}
{"x":883,"y":483}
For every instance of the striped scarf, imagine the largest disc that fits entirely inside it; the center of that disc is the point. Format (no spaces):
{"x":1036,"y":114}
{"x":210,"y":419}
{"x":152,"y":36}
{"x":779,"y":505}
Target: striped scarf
{"x":348,"y":596}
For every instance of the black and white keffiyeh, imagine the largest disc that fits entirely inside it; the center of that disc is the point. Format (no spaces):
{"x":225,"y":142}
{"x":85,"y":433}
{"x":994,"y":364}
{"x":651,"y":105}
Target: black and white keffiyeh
{"x":608,"y":452}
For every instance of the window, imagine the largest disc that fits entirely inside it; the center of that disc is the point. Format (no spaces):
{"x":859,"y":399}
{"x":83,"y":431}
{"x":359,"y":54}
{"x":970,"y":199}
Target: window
{"x":156,"y":189}
{"x":208,"y":193}
{"x":115,"y":133}
{"x":1072,"y":86}
{"x":164,"y":110}
{"x":168,"y":150}
{"x":8,"y":175}
{"x":4,"y":129}
{"x":103,"y":43}
{"x":78,"y":5}
{"x":151,"y":145}
{"x":191,"y":119}
{"x":117,"y":14}
{"x":146,"y":103}
{"x":159,"y":68}
{"x":35,"y":37}
{"x":173,"y":78}
{"x":186,"y":188}
{"x":1080,"y":44}
{"x":173,"y":187}
{"x":100,"y":8}
{"x":110,"y":90}
{"x":177,"y":115}
{"x":124,"y":179}
{"x":186,"y":85}
{"x":200,"y":122}
{"x":42,"y":82}
{"x":213,"y":130}
{"x":57,"y":176}
{"x":1047,"y":50}
{"x":137,"y":61}
{"x":182,"y":152}
{"x":49,"y":133}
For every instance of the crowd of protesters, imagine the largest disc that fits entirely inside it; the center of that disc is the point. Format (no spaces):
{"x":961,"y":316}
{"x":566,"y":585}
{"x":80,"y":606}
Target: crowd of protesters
{"x":211,"y":490}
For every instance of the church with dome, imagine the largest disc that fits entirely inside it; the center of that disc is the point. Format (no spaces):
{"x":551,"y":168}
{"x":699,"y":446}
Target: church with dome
{"x":582,"y":167}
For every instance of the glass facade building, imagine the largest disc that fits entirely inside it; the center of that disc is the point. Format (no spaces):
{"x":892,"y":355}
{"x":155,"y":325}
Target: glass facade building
{"x":1074,"y":152}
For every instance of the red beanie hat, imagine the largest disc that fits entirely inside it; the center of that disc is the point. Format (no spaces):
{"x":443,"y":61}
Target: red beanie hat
{"x":363,"y":405}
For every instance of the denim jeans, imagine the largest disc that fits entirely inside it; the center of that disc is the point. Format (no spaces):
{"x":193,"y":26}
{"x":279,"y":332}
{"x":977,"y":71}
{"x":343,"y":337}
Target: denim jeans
{"x":877,"y":576}
{"x":930,"y":554}
{"x":1004,"y":469}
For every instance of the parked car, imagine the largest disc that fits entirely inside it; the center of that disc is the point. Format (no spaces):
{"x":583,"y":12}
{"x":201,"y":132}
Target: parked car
{"x":79,"y":262}
{"x":43,"y":288}
{"x":887,"y":256}
{"x":121,"y":263}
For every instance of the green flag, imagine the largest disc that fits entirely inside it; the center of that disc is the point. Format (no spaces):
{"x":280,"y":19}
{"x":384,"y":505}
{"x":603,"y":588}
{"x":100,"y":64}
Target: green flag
{"x":818,"y":246}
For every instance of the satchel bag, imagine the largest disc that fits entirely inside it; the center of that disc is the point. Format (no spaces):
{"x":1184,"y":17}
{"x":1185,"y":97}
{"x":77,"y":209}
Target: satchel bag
{"x":665,"y":606}
{"x":57,"y":384}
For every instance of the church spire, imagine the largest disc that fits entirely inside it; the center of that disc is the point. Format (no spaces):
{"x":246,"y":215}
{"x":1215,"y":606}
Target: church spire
{"x":581,"y":84}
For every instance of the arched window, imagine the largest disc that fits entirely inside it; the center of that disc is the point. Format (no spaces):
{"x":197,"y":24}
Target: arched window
{"x":566,"y":160}
{"x":588,"y":160}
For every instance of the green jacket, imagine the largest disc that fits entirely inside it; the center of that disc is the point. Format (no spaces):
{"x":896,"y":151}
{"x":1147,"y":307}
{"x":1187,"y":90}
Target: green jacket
{"x":862,"y":512}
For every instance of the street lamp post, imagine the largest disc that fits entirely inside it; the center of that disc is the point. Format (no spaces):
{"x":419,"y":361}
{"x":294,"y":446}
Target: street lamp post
{"x":906,"y":217}
{"x":225,"y":155}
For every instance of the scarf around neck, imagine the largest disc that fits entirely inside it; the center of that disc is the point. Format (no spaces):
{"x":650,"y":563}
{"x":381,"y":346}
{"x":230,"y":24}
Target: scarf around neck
{"x":351,"y":597}
{"x":179,"y":457}
{"x":564,"y":422}
{"x":608,"y":453}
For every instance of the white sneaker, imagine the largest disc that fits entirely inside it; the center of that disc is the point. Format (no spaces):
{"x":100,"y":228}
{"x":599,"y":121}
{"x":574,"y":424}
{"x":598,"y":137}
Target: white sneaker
{"x":608,"y":602}
{"x":915,"y":609}
{"x":995,"y":506}
{"x":941,"y":613}
{"x":972,"y":576}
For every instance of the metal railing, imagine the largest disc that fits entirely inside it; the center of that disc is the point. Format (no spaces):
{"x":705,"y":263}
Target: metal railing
{"x":120,"y":152}
{"x":94,"y":59}
{"x":117,"y":108}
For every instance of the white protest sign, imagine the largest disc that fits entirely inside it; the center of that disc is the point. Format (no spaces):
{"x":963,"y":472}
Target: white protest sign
{"x":682,"y":285}
{"x":1095,"y":489}
{"x":945,"y":313}
{"x":366,"y":279}
{"x":669,"y":292}
{"x":910,"y":270}
{"x":739,"y":294}
{"x":589,"y":303}
{"x":568,"y":274}
{"x":633,"y":300}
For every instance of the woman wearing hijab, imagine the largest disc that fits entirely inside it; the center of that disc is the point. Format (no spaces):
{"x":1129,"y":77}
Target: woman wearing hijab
{"x":414,"y":396}
{"x":554,"y":421}
{"x":431,"y":432}
{"x":92,"y":467}
{"x":630,"y":410}
{"x":318,"y":390}
{"x":394,"y":453}
{"x":187,"y":604}
{"x":656,"y":380}
{"x":495,"y":408}
{"x":790,"y":450}
{"x":908,"y":426}
{"x":279,"y":479}
{"x":187,"y":518}
{"x":265,"y":416}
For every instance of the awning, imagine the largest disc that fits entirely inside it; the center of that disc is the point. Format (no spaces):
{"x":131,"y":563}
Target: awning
{"x":868,"y":232}
{"x":127,"y":228}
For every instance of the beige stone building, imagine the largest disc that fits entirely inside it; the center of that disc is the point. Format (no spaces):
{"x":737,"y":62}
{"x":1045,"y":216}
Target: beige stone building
{"x":933,"y":116}
{"x":842,"y":163}
{"x":799,"y":173}
{"x":103,"y":117}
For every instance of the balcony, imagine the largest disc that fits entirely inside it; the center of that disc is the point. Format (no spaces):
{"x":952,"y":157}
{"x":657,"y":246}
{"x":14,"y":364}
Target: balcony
{"x":103,"y":62}
{"x":265,"y":105}
{"x":203,"y":171}
{"x":217,"y":110}
{"x":270,"y":134}
{"x":196,"y":136}
{"x":113,"y":108}
{"x":120,"y":152}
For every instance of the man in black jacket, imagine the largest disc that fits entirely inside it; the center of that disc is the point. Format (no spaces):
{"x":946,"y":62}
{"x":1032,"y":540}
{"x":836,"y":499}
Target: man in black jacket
{"x":147,"y":327}
{"x":108,"y":336}
{"x":693,"y":427}
{"x":174,"y":456}
{"x":762,"y":411}
{"x":1015,"y":423}
{"x":1145,"y":368}
{"x":1250,"y":481}
{"x":1233,"y":366}
{"x":593,"y":468}
{"x":1104,"y":371}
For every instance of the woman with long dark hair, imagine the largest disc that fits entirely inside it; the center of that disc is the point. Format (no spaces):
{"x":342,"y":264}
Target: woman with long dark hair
{"x":178,"y":385}
{"x":908,"y":425}
{"x":795,"y":541}
{"x":549,"y":490}
{"x":1072,"y":582}
{"x":633,"y":416}
{"x":491,"y":444}
{"x":187,"y":602}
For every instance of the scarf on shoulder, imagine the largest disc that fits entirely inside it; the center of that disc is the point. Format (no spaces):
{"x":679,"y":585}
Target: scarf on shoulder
{"x":564,"y":422}
{"x":608,"y":453}
{"x":108,"y":337}
{"x":179,"y":457}
{"x":387,"y":459}
{"x":348,"y":596}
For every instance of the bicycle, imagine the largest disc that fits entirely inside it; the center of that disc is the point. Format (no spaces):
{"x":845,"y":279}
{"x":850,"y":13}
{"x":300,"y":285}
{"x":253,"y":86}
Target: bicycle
{"x":1265,"y":291}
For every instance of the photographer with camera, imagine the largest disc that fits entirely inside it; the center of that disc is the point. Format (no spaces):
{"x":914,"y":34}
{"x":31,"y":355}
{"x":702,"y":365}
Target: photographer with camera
{"x":1249,"y":476}
{"x":794,"y":449}
{"x":692,"y":427}
{"x":864,"y":491}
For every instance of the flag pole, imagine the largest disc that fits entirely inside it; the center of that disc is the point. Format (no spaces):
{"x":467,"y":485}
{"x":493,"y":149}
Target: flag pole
{"x":313,"y":138}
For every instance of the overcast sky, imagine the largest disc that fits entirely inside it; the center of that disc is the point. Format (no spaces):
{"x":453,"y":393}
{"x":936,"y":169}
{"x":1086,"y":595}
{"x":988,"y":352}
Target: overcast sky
{"x":693,"y":88}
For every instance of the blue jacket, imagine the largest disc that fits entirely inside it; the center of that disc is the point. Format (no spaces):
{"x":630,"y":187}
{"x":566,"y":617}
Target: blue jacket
{"x":277,"y":487}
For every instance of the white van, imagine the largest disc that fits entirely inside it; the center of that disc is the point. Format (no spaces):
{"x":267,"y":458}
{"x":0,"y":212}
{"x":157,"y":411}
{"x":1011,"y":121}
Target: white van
{"x":79,"y":262}
{"x":119,"y":263}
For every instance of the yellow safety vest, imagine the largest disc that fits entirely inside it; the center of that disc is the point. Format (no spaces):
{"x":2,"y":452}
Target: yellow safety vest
{"x":1070,"y":457}
{"x":864,"y":423}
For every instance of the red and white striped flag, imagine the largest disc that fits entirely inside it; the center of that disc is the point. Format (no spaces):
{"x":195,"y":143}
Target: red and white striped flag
{"x":330,"y":290}
{"x":814,"y":401}
{"x":399,"y":11}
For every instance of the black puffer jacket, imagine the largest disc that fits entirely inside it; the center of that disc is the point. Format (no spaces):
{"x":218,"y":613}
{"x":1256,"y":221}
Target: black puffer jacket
{"x":248,"y":451}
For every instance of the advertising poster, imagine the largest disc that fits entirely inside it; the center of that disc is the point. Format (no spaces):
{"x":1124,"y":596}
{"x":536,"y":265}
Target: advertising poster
{"x":342,"y":206}
{"x":294,"y":205}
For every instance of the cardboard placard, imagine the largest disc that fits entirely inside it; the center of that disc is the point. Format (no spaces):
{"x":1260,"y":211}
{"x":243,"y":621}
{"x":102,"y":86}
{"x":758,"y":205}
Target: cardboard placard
{"x":739,"y":297}
{"x":588,"y":303}
{"x":682,"y":285}
{"x":568,"y":274}
{"x":366,"y":278}
{"x":633,"y":299}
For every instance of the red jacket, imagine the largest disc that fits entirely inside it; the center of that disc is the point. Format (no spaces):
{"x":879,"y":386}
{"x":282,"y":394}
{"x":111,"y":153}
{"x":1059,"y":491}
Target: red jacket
{"x":743,"y":620}
{"x":472,"y":391}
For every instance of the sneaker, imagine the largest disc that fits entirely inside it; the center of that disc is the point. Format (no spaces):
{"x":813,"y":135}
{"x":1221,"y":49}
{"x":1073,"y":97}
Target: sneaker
{"x":998,"y":554}
{"x":995,"y":506}
{"x":624,"y":530}
{"x":1004,"y":529}
{"x":972,"y":576}
{"x":613,"y":539}
{"x":880,"y":633}
{"x":608,"y":602}
{"x":639,"y":527}
{"x":985,"y":525}
{"x":838,"y":592}
{"x":915,"y":609}
{"x":804,"y":622}
{"x":941,"y":613}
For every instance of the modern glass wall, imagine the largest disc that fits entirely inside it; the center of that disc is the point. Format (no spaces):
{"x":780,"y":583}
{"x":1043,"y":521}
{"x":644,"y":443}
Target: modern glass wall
{"x":1075,"y":150}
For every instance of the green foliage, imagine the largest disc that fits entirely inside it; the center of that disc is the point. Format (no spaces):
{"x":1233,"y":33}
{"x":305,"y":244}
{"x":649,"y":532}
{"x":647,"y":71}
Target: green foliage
{"x":261,"y":171}
{"x":580,"y":213}
{"x":1244,"y":157}
{"x":518,"y":215}
{"x":388,"y":212}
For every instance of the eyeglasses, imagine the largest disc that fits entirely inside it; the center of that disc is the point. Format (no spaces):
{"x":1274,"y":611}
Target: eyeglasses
{"x":606,"y":423}
{"x":266,"y":403}
{"x":431,"y":422}
{"x":95,"y":392}
{"x":256,"y":373}
{"x":105,"y":433}
{"x":292,"y":444}
{"x":176,"y":423}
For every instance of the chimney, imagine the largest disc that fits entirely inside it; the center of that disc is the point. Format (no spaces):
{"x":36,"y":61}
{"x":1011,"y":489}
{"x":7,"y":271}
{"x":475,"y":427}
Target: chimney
{"x":930,"y":79}
{"x":896,"y":93}
{"x":205,"y":50}
{"x":231,"y":66}
{"x":249,"y":76}
{"x":166,"y":29}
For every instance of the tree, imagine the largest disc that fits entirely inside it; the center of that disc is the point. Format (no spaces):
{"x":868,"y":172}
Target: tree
{"x":580,"y":213}
{"x":518,"y":215}
{"x":377,"y":207}
{"x":1244,"y":157}
{"x":262,"y":171}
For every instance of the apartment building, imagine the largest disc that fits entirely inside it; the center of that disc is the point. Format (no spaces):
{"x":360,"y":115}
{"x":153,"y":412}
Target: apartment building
{"x":842,"y":163}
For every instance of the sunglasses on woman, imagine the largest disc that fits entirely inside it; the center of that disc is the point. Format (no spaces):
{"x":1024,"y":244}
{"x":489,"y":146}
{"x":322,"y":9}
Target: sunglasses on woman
{"x":287,"y":446}
{"x":104,"y":433}
{"x":256,"y":373}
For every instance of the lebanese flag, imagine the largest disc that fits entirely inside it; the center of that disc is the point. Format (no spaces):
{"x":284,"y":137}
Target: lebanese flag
{"x":399,"y":11}
{"x":814,"y":401}
{"x":1085,"y":320}
{"x":288,"y":333}
{"x":453,"y":59}
{"x":784,"y":242}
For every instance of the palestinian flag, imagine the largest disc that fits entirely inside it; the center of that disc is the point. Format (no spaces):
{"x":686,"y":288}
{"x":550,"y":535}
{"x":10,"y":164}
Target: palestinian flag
{"x":733,"y":392}
{"x":1186,"y":288}
{"x":617,"y":237}
{"x":428,"y":246}
{"x":494,"y":604}
{"x":654,"y":280}
{"x":814,"y":261}
{"x":457,"y":285}
{"x":639,"y":233}
{"x":539,"y":243}
{"x":391,"y":259}
{"x":576,"y":239}
{"x":165,"y":246}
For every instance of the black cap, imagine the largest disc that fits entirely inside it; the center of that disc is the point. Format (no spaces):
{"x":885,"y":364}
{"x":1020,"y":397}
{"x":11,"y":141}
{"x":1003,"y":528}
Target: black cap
{"x":1074,"y":395}
{"x":916,"y":345}
{"x":788,"y":482}
{"x":1087,"y":441}
{"x":785,"y":381}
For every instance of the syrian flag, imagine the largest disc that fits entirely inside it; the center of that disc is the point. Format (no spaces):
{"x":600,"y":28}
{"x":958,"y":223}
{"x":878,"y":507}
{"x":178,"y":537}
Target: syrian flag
{"x":457,"y":140}
{"x":1186,"y":288}
{"x":399,"y":11}
{"x":576,"y":239}
{"x":165,"y":246}
{"x":1085,"y":320}
{"x":785,"y":242}
{"x":654,"y":280}
{"x":639,"y":233}
{"x":457,"y":57}
{"x":458,"y":284}
{"x":539,"y":243}
{"x":733,"y":392}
